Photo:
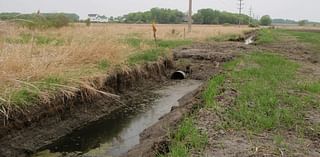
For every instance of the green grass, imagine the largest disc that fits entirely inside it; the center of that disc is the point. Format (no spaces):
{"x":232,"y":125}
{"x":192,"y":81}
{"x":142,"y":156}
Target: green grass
{"x":155,"y":52}
{"x":263,"y":102}
{"x":147,"y":56}
{"x":212,"y":91}
{"x":50,"y":83}
{"x":24,"y":97}
{"x":173,"y":43}
{"x":312,"y":38}
{"x":267,"y":36}
{"x":137,"y":42}
{"x":29,"y":93}
{"x":134,"y":42}
{"x":44,"y":40}
{"x":103,"y":64}
{"x":185,"y":139}
{"x":313,"y":87}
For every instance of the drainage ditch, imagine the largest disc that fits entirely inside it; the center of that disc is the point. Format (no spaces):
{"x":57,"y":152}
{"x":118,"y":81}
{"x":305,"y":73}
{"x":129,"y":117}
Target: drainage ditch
{"x":119,"y":132}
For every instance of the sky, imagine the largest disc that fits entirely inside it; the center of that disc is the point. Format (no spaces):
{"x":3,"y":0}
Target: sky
{"x":288,"y":9}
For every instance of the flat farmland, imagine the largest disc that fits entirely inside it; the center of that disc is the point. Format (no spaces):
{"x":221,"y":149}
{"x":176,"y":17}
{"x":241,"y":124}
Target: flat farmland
{"x":65,"y":55}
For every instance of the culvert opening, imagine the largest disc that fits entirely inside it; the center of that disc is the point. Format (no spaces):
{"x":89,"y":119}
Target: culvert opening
{"x":178,"y":75}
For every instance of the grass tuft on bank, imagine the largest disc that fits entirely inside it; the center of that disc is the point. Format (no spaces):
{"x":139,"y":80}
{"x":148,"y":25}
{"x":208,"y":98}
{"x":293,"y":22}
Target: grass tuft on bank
{"x":157,"y":49}
{"x":186,"y":139}
{"x":212,"y":91}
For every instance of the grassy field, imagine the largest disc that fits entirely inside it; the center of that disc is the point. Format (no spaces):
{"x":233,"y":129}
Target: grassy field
{"x":36,"y":61}
{"x":275,"y":100}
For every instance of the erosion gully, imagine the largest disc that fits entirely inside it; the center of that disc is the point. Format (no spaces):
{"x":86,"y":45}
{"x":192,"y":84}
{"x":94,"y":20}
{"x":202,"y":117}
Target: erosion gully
{"x":119,"y":132}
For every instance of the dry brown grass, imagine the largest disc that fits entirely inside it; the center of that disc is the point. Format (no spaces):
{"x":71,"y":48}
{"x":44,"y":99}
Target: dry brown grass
{"x":82,"y":49}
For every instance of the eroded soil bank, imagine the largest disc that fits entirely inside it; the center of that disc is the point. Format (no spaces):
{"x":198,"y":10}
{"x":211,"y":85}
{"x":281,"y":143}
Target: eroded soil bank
{"x":43,"y":125}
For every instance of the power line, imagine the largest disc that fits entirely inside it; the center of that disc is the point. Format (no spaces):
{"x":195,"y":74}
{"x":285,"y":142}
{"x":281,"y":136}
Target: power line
{"x":241,"y":4}
{"x":250,"y":14}
{"x":190,"y":16}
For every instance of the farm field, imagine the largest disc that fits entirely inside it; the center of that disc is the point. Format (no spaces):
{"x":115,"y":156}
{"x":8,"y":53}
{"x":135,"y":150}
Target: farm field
{"x":41,"y":60}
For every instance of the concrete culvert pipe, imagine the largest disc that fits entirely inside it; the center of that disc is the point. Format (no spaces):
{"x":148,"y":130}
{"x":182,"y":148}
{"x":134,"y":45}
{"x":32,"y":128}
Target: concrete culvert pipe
{"x":178,"y":75}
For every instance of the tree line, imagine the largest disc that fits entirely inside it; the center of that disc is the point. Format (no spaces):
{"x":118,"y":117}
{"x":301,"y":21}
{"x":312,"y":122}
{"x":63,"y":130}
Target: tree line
{"x":158,"y":15}
{"x":203,"y":16}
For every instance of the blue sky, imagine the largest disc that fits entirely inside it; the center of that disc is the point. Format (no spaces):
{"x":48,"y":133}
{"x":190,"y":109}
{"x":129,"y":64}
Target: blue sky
{"x":291,"y":9}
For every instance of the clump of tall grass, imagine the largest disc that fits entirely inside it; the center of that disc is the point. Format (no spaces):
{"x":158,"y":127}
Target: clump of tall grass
{"x":186,"y":138}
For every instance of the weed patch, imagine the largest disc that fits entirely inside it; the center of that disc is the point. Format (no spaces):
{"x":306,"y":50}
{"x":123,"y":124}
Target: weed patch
{"x":267,"y":36}
{"x":173,"y":43}
{"x":187,"y":137}
{"x":313,"y":87}
{"x":23,"y":97}
{"x":103,"y":64}
{"x":147,"y":55}
{"x":212,"y":91}
{"x":259,"y":105}
{"x":312,"y":38}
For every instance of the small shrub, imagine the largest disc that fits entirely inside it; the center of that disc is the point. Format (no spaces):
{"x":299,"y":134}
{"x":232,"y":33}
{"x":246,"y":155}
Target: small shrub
{"x":88,"y":22}
{"x":253,"y":25}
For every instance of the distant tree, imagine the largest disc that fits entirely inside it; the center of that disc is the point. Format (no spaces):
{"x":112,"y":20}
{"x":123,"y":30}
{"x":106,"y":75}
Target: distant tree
{"x":210,"y":16}
{"x":111,"y":19}
{"x":88,"y":22}
{"x":283,"y":21}
{"x":265,"y":20}
{"x":302,"y":22}
{"x":160,"y":15}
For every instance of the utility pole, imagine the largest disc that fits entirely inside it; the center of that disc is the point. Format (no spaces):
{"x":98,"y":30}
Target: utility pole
{"x":190,"y":16}
{"x":250,"y":12}
{"x":240,"y":10}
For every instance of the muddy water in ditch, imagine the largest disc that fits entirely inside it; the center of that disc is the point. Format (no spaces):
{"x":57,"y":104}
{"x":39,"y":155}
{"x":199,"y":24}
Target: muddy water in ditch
{"x":119,"y":132}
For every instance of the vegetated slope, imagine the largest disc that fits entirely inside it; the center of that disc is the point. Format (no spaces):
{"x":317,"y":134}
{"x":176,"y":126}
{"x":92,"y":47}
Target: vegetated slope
{"x":265,"y":103}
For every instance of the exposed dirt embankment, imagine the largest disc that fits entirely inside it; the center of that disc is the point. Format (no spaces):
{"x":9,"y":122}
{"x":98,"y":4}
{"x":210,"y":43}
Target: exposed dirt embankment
{"x":28,"y":131}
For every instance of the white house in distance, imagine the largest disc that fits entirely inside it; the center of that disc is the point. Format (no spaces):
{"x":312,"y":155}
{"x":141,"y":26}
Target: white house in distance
{"x":97,"y":18}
